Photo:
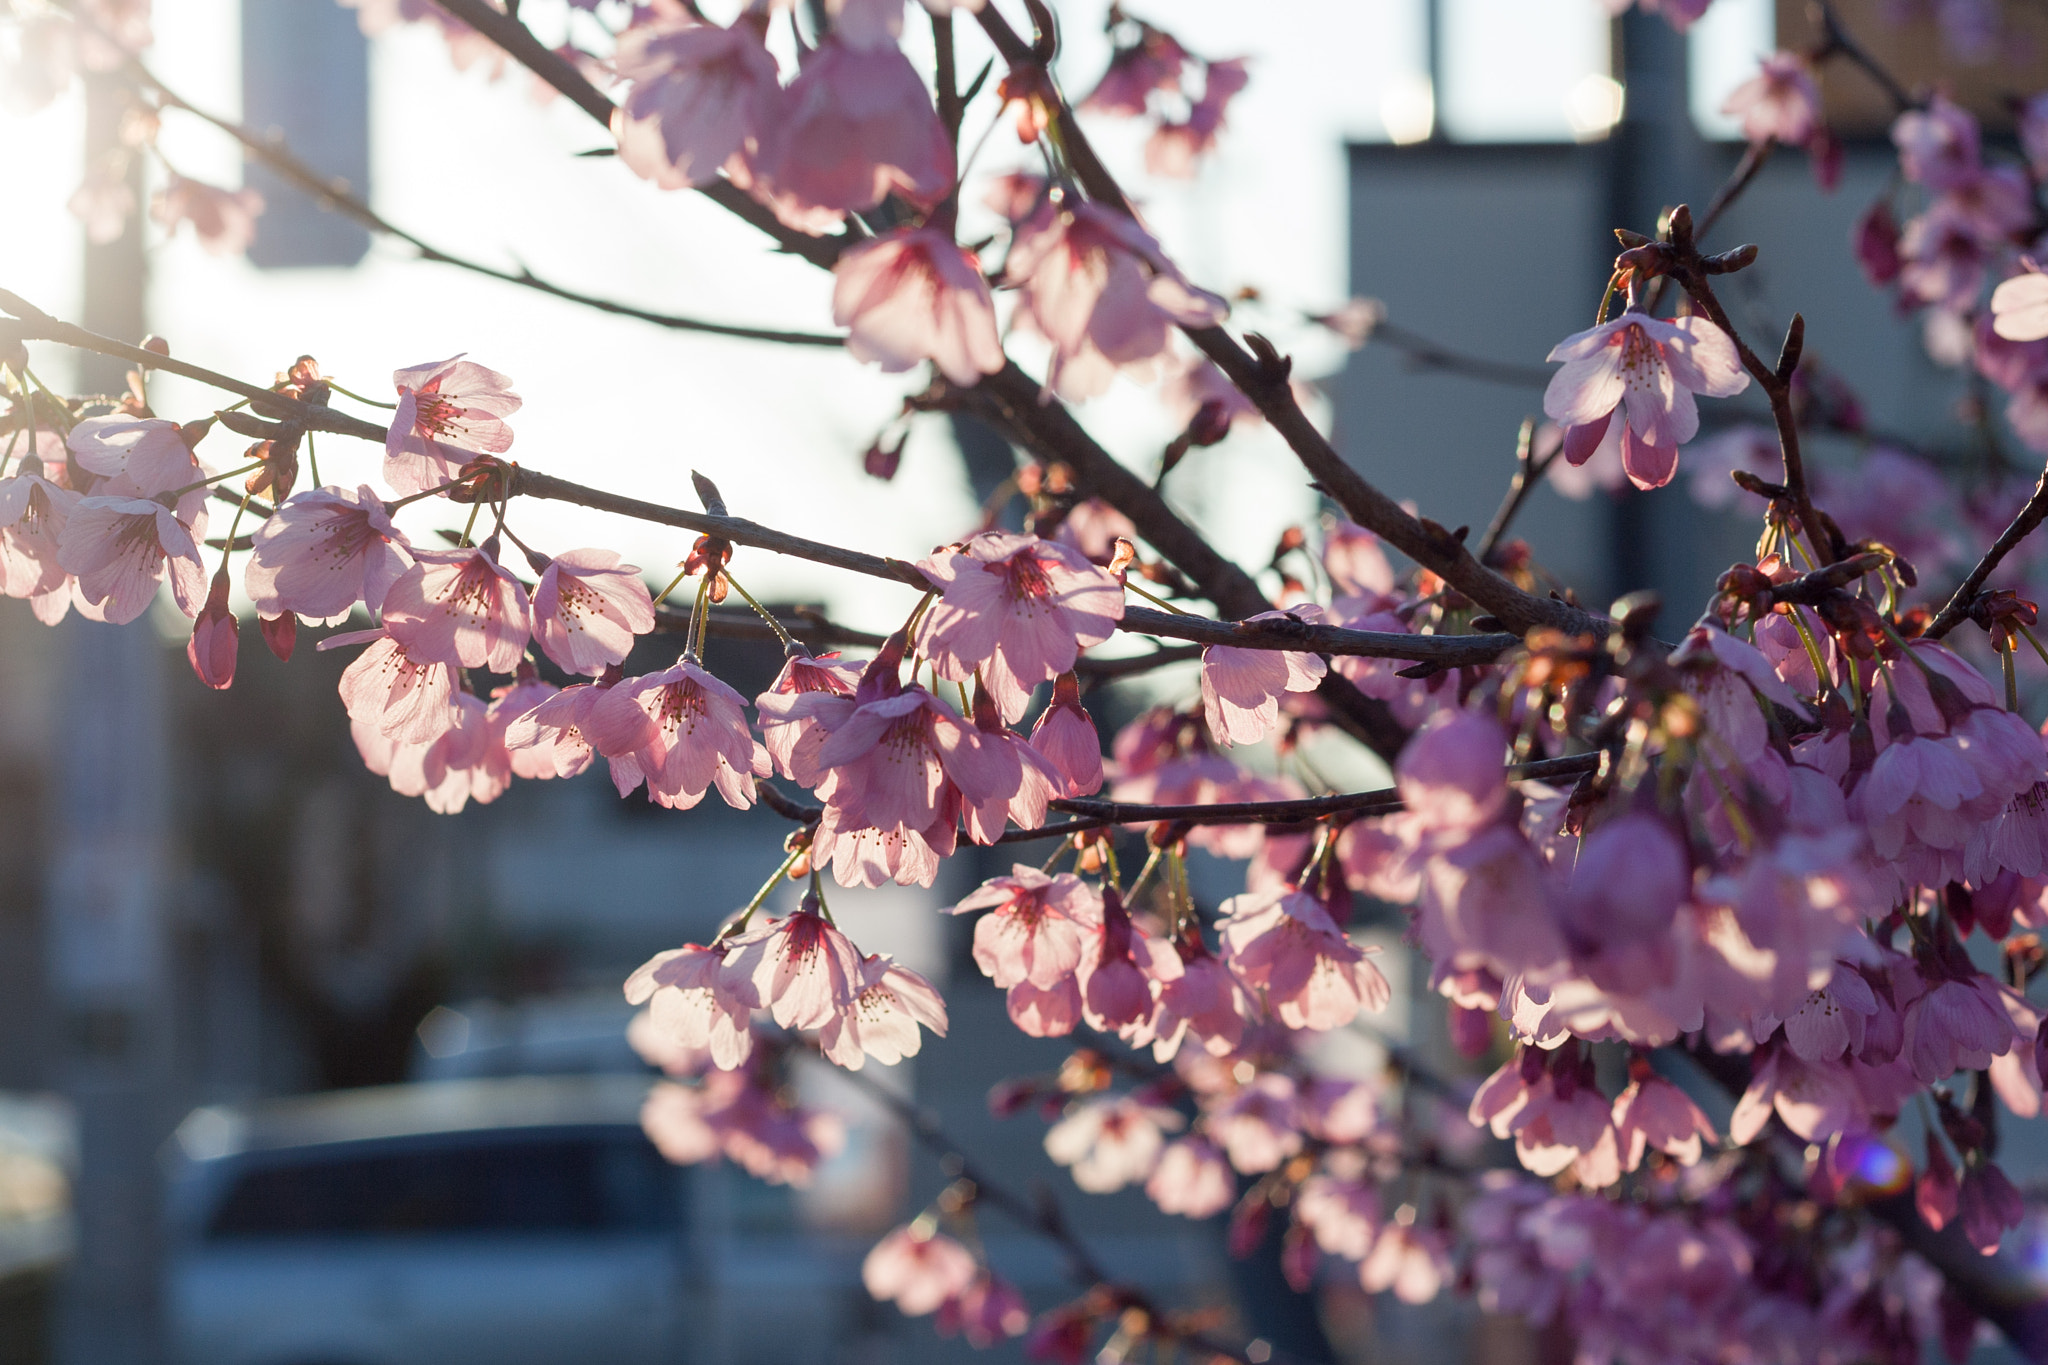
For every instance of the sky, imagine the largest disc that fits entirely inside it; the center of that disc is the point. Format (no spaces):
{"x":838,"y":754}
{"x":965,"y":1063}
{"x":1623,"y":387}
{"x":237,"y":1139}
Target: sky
{"x":487,"y":169}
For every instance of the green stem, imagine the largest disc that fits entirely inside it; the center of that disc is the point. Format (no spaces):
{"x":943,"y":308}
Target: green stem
{"x":1159,"y":602}
{"x":761,"y":611}
{"x":740,"y":924}
{"x":470,"y":525}
{"x":1144,"y":873}
{"x":313,"y":461}
{"x":373,"y":402}
{"x":177,"y":493}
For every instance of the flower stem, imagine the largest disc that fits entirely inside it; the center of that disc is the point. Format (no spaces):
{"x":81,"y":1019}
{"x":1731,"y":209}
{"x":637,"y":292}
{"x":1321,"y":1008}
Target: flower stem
{"x":1159,"y":602}
{"x":373,"y":402}
{"x":760,"y":611}
{"x":774,"y":880}
{"x":177,"y":493}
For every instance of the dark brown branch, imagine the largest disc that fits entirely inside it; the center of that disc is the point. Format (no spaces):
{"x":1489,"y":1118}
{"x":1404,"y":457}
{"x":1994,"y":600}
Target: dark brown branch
{"x":1959,"y":603}
{"x":36,"y":325}
{"x":1097,"y":814}
{"x":1836,"y":40}
{"x":1449,"y":651}
{"x":1424,"y":354}
{"x":1265,"y":379}
{"x":1691,"y":270}
{"x":335,"y":193}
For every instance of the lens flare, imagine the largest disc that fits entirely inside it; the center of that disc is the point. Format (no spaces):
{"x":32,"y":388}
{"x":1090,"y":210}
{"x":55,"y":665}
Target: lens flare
{"x":1869,"y":1167}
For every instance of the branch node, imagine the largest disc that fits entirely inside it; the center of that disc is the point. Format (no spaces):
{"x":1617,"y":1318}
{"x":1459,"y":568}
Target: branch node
{"x":1795,"y":343}
{"x":708,"y":495}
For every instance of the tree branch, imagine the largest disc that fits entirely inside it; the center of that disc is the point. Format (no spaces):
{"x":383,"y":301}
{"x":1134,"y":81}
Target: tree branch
{"x":335,"y":193}
{"x":1959,"y":603}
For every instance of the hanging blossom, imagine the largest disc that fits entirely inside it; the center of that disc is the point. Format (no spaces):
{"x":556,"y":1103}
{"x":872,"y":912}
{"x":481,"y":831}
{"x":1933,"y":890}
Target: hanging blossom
{"x":121,"y":549}
{"x":1241,"y":688}
{"x":702,"y":96}
{"x":2019,"y":307}
{"x":683,"y":731}
{"x":322,"y":552}
{"x":1648,"y":370}
{"x":1095,"y":284}
{"x":695,"y":1005}
{"x":1031,"y":942}
{"x":856,"y":125}
{"x":405,"y":698}
{"x":224,"y":221}
{"x":1017,"y":610}
{"x":1286,"y":945}
{"x":459,"y":607}
{"x":1781,"y":103}
{"x":917,"y":1269}
{"x":587,"y":609}
{"x":914,"y":295}
{"x":447,"y":412}
{"x":33,"y":511}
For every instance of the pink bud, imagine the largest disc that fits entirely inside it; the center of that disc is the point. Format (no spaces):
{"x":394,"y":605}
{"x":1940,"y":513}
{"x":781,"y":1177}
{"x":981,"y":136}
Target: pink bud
{"x":281,"y":633}
{"x":212,"y":646}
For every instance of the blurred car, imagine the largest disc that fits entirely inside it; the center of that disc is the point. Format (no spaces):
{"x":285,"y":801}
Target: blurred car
{"x":520,"y":1221}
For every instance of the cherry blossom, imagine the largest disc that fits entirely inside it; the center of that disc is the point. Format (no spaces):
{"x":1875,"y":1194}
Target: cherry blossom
{"x":693,"y":1005}
{"x":1065,"y":735}
{"x":447,"y":411}
{"x":224,"y":221}
{"x":912,"y":295}
{"x":856,"y":125}
{"x":1650,"y":368}
{"x":33,"y":511}
{"x":587,"y":608}
{"x":1097,"y":286}
{"x":1781,"y":103}
{"x":459,"y":607}
{"x":404,"y":698}
{"x":1284,"y":944}
{"x":702,"y":95}
{"x":2019,"y":307}
{"x":803,"y":971}
{"x":323,"y":551}
{"x":987,"y":1311}
{"x":551,"y":732}
{"x":685,"y":732}
{"x":120,"y":549}
{"x":1016,"y":609}
{"x":792,"y":734}
{"x":215,"y":636}
{"x":1111,"y":1142}
{"x":889,"y":1002}
{"x":1192,"y":1179}
{"x":917,"y":1269}
{"x":1241,"y":688}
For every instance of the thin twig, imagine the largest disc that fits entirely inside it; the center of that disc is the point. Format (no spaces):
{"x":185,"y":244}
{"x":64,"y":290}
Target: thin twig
{"x":335,"y":193}
{"x":1959,"y":603}
{"x":1424,"y":354}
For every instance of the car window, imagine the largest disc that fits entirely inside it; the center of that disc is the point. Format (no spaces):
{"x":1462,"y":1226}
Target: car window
{"x":550,"y":1184}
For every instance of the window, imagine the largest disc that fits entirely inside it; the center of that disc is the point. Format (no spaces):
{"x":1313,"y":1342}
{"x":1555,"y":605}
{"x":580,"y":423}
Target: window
{"x":611,"y":1181}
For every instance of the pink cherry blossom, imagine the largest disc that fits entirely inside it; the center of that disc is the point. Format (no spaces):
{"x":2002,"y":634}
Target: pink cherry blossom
{"x":447,"y":412}
{"x":2019,"y":307}
{"x":792,"y":734}
{"x":120,"y":549}
{"x":1036,"y":927}
{"x":889,"y":1003}
{"x":215,"y":636}
{"x":1652,"y":1112}
{"x":1192,"y":1179}
{"x":914,"y":295}
{"x":804,"y":972}
{"x":1344,"y":1216}
{"x":1452,"y":774}
{"x":1781,"y":103}
{"x":405,"y":699}
{"x":1097,"y":286}
{"x":514,"y":702}
{"x":686,"y":733}
{"x":1241,"y":688}
{"x":1988,"y":1206}
{"x":1197,"y":997}
{"x":702,"y":95}
{"x":986,"y":1312}
{"x":1016,"y":608}
{"x":323,"y":551}
{"x":587,"y":608}
{"x":1652,"y":369}
{"x":1284,"y":944}
{"x":869,"y":855}
{"x":1259,"y":1126}
{"x":917,"y":1268}
{"x":1959,"y":1024}
{"x":693,"y":1004}
{"x":1065,"y":734}
{"x":552,"y":732}
{"x":224,"y":221}
{"x":459,"y":607}
{"x":1111,"y":1141}
{"x":857,"y":124}
{"x":1020,"y":781}
{"x":1176,"y":146}
{"x":1938,"y":145}
{"x":33,"y":511}
{"x":138,"y":457}
{"x":466,"y":761}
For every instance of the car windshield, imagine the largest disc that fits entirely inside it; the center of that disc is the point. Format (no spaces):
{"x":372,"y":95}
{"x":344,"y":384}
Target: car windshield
{"x":498,"y":1184}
